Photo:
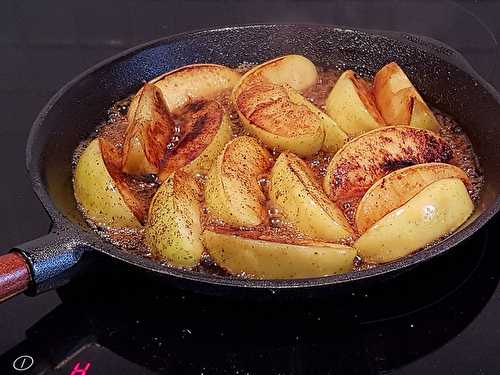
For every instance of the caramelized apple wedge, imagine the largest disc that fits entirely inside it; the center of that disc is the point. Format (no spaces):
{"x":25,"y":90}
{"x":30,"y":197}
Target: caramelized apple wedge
{"x":352,"y":106}
{"x":398,"y":187}
{"x":439,"y":209}
{"x":134,"y":200}
{"x":191,"y":83}
{"x":273,"y":114}
{"x":302,"y":202}
{"x":422,"y":116}
{"x":232,"y":190}
{"x":372,"y":155}
{"x":206,"y":129}
{"x":150,"y":129}
{"x":271,"y":108}
{"x":267,"y":259}
{"x":398,"y":100}
{"x":98,"y":194}
{"x":295,"y":71}
{"x":173,"y":231}
{"x":335,"y":137}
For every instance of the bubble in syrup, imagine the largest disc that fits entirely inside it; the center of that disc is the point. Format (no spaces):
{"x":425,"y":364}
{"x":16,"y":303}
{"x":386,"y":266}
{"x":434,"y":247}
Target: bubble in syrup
{"x":263,"y":182}
{"x":123,"y":109}
{"x":273,"y":211}
{"x":200,"y":176}
{"x":275,"y":222}
{"x":151,"y":178}
{"x":357,"y":261}
{"x":219,"y":222}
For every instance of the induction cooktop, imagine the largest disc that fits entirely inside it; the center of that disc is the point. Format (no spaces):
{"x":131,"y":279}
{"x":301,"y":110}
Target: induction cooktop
{"x":438,"y":318}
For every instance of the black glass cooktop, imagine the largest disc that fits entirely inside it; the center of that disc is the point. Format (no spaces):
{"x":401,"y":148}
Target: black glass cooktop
{"x":438,"y":318}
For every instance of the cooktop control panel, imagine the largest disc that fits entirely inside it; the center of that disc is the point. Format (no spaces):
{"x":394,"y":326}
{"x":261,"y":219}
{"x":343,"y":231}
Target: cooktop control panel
{"x":91,"y":359}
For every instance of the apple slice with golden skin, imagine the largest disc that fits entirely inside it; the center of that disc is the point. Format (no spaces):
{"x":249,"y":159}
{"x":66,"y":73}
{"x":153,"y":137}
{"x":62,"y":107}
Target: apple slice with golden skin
{"x":437,"y":210}
{"x":150,"y":129}
{"x":206,"y":129}
{"x":265,"y":259}
{"x":398,"y":187}
{"x":191,"y":83}
{"x":389,"y":80}
{"x":422,"y":116}
{"x":352,"y":106}
{"x":173,"y":231}
{"x":399,"y":102}
{"x":232,"y":190}
{"x":112,"y":159}
{"x":399,"y":110}
{"x":372,"y":155}
{"x":295,"y":71}
{"x":271,"y":108}
{"x":406,"y":108}
{"x":270,"y":113}
{"x":98,"y":194}
{"x":302,"y":202}
{"x":335,"y":137}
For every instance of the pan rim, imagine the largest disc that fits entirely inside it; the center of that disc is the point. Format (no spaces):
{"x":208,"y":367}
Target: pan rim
{"x":95,"y":242}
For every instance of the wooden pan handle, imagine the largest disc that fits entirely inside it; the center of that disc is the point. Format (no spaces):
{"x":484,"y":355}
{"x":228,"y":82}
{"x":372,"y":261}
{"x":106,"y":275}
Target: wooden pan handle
{"x":14,"y":275}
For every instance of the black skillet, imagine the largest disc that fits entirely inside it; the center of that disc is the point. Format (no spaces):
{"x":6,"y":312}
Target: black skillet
{"x":441,"y":74}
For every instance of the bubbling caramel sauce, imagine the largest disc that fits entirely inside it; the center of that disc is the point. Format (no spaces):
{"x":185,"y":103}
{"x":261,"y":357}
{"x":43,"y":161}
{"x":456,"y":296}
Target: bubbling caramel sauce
{"x":274,"y":227}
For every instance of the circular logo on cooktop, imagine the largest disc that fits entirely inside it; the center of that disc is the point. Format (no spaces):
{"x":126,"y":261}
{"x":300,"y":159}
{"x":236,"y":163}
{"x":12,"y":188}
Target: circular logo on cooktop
{"x":23,"y":363}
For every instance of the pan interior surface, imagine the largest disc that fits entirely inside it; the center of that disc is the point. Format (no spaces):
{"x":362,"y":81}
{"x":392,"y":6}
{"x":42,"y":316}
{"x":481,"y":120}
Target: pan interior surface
{"x":440,"y":74}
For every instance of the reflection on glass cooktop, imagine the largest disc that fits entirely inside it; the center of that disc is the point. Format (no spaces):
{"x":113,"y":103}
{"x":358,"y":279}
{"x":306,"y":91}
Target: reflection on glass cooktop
{"x":439,"y":318}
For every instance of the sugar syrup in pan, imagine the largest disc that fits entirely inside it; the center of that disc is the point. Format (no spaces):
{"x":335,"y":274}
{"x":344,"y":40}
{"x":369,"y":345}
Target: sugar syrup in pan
{"x":274,"y":228}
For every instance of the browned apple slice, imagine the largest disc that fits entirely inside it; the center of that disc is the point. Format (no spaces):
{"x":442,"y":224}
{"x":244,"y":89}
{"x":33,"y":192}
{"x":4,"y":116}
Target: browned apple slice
{"x":302,"y":202}
{"x":206,"y":129}
{"x":191,"y":83}
{"x":149,"y":131}
{"x":400,"y":107}
{"x":398,"y":100}
{"x":436,"y":211}
{"x":273,"y":258}
{"x":232,"y":190}
{"x":422,"y":116}
{"x":295,"y":71}
{"x":274,"y":115}
{"x":112,"y":159}
{"x":270,"y":106}
{"x":398,"y":187}
{"x":174,"y":227}
{"x":352,"y":106}
{"x":97,"y":194}
{"x":374,"y":154}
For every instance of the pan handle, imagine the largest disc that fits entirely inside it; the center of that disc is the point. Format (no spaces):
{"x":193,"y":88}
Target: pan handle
{"x":39,"y":265}
{"x":14,"y":275}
